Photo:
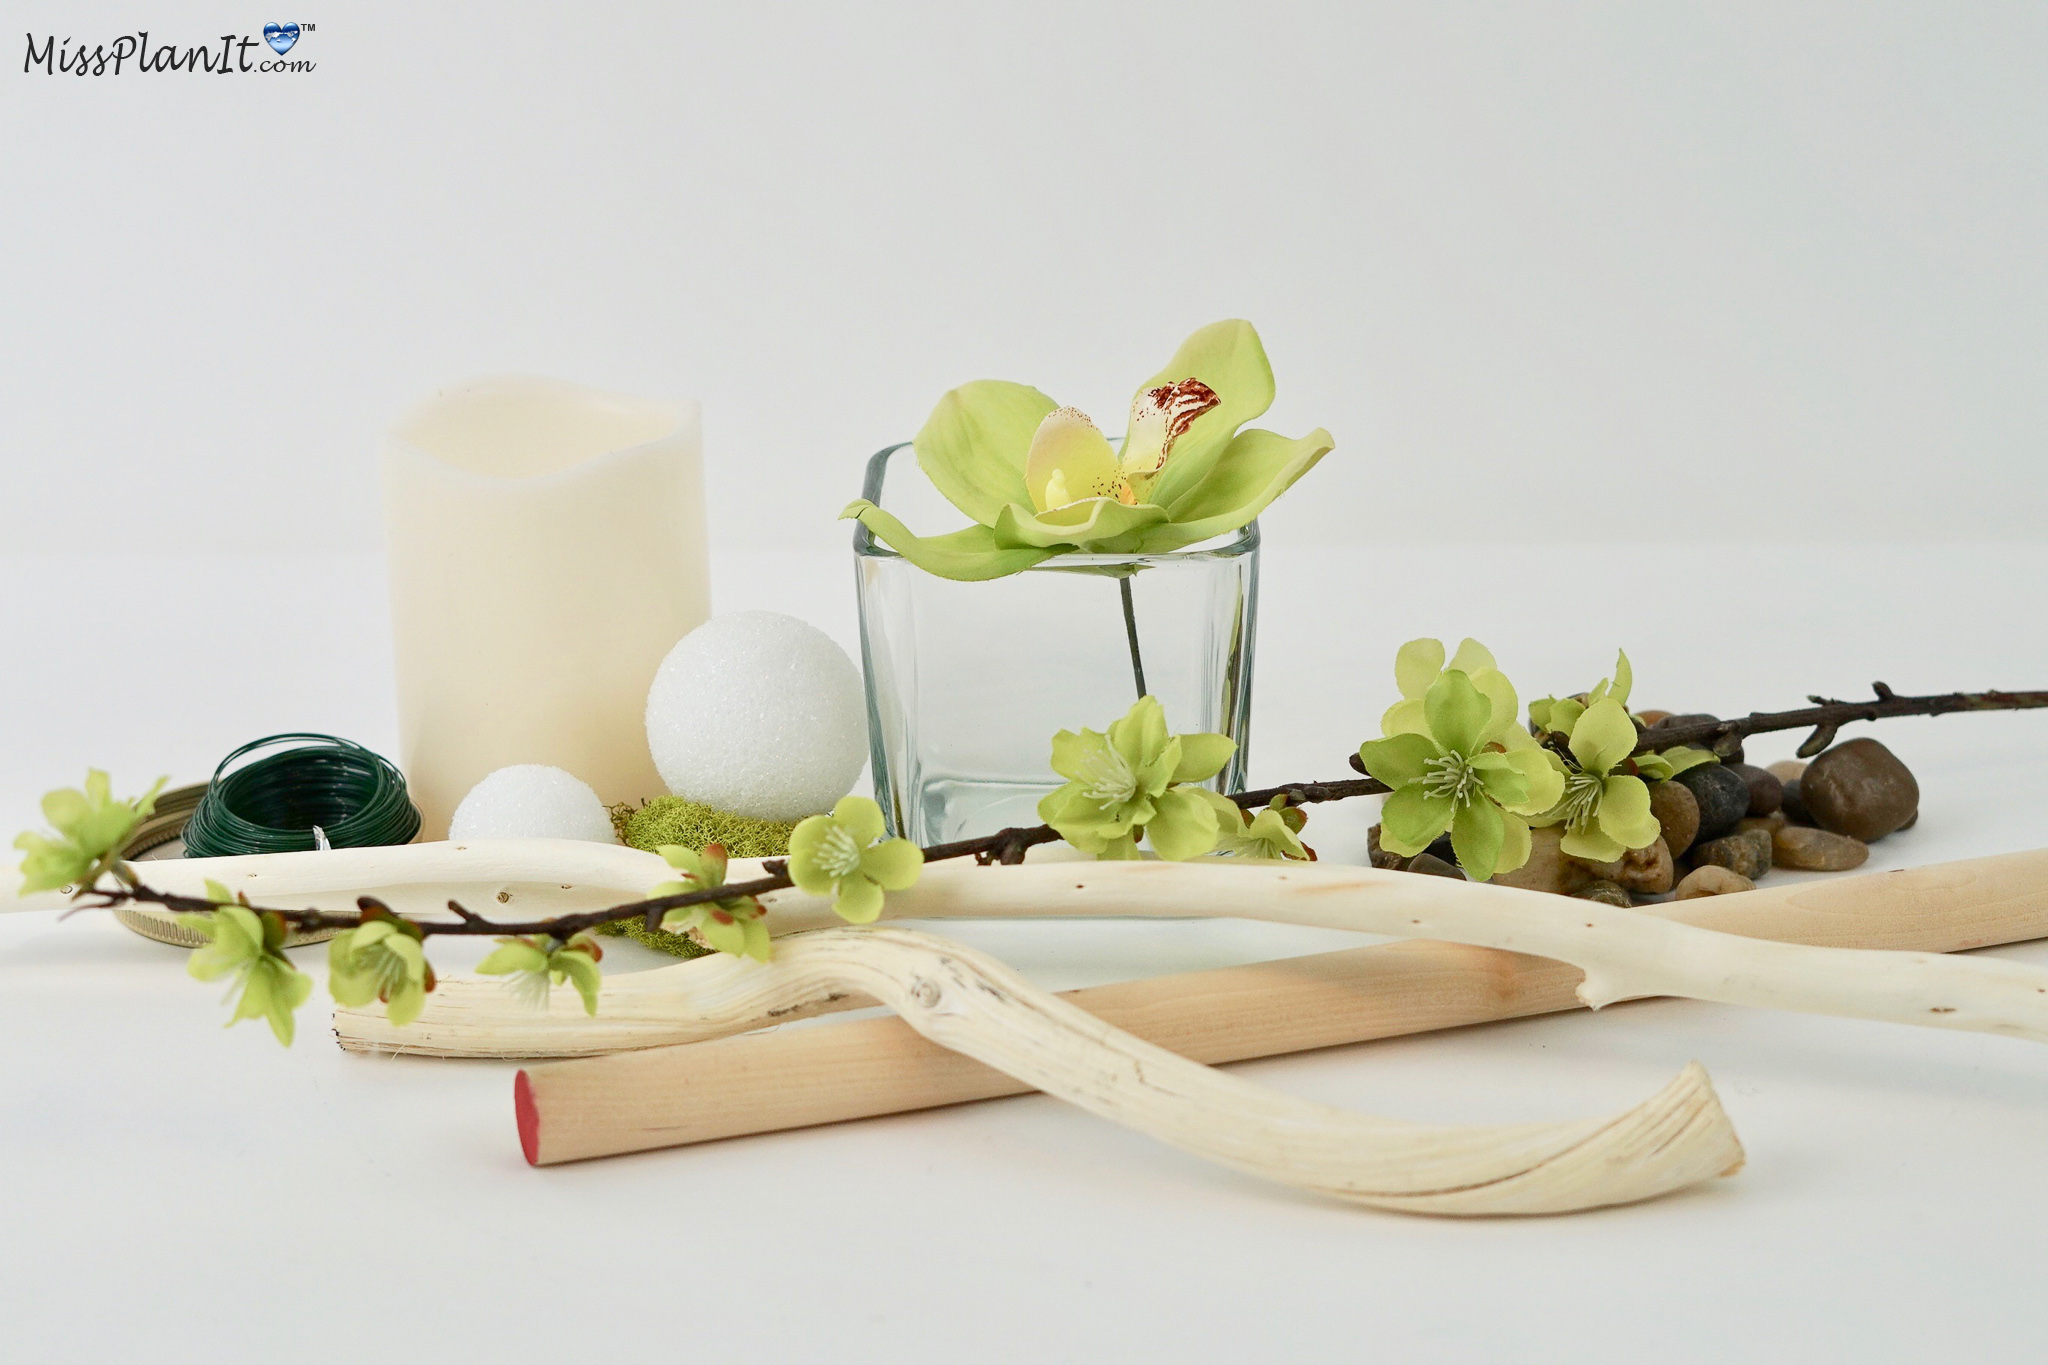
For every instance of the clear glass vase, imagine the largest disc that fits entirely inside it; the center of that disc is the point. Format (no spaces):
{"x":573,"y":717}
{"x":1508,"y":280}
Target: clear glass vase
{"x":967,"y":682}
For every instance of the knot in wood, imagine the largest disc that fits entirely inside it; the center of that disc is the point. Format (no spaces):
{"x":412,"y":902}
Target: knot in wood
{"x":926,"y":992}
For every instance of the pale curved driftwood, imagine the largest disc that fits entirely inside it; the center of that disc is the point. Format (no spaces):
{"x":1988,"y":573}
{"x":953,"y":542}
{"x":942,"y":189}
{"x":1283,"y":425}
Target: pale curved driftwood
{"x":972,"y":1004}
{"x":1942,"y":908}
{"x":1624,"y":953}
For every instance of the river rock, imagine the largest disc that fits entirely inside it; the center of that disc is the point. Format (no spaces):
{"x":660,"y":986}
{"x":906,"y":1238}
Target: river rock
{"x":1816,"y":850}
{"x":1722,"y":794}
{"x":1547,"y":869}
{"x":1652,"y":717}
{"x":1432,"y":866}
{"x":1640,"y":869}
{"x":1606,"y":892}
{"x":1794,"y":807}
{"x":1859,"y":788}
{"x":1766,"y":792}
{"x":1769,"y":824}
{"x":1678,"y":814}
{"x":1712,"y":880}
{"x":1787,"y":769}
{"x":1747,"y":852}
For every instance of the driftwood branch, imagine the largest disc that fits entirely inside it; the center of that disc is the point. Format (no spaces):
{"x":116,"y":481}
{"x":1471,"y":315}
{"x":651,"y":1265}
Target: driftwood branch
{"x":974,"y":1005}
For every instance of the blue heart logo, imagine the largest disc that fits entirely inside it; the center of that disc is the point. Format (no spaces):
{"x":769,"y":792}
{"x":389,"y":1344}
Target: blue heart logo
{"x":281,"y":37}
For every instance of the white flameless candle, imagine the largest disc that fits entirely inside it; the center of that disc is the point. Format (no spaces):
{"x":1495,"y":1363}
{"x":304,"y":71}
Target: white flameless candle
{"x":547,"y":549}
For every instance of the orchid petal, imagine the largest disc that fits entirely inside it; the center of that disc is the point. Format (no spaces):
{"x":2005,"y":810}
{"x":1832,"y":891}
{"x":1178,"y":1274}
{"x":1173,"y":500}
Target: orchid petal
{"x":969,"y":555}
{"x":974,"y":445}
{"x":1228,"y":358}
{"x":1070,"y":460}
{"x":1255,"y":468}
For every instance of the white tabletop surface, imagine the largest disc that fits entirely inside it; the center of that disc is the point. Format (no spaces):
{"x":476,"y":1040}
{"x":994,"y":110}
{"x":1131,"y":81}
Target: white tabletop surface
{"x":175,"y":1191}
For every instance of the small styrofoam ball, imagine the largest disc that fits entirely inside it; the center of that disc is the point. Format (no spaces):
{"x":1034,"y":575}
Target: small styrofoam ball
{"x":532,"y":801}
{"x":758,"y":714}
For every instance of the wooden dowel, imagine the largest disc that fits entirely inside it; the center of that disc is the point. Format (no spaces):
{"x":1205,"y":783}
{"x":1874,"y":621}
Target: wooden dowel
{"x":796,"y":1077}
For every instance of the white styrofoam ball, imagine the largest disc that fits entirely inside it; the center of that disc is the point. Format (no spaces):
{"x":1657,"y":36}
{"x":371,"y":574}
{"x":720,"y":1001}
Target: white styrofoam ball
{"x":532,"y":801}
{"x":758,"y":714}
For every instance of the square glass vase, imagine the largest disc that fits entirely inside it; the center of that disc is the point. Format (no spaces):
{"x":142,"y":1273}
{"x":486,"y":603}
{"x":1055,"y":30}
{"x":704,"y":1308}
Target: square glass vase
{"x":968,"y":682}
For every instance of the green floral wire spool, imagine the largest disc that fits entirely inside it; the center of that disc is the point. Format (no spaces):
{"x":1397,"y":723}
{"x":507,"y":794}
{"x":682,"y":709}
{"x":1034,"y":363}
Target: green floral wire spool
{"x":275,"y":804}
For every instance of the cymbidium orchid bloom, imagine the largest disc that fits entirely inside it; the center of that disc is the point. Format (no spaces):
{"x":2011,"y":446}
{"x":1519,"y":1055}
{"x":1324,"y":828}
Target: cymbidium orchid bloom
{"x":1458,"y":773}
{"x":1040,"y":479}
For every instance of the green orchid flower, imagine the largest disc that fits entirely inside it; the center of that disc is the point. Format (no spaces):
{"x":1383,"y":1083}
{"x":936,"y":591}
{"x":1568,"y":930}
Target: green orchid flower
{"x":1273,"y":833}
{"x":381,"y":959}
{"x":1605,"y":813}
{"x":89,"y":830}
{"x":1459,"y":775}
{"x":538,"y":964}
{"x":1040,"y":480}
{"x":733,"y":924}
{"x":248,"y":945}
{"x":847,"y":856}
{"x":1135,"y":781}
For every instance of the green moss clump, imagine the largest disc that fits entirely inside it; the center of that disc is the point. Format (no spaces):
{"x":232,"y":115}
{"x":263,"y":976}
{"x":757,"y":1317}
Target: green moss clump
{"x":673,"y":820}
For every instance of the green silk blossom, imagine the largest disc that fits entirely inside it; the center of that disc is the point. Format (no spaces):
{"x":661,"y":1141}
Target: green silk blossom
{"x":1136,"y":780}
{"x":731,"y":924}
{"x":536,"y":965}
{"x":380,"y":959}
{"x":1462,"y":773}
{"x":1419,"y":663}
{"x":1561,"y":716}
{"x":248,"y":946}
{"x":1273,"y":833}
{"x":1605,"y":813}
{"x":847,"y":855}
{"x":1040,"y":480}
{"x":89,"y":828}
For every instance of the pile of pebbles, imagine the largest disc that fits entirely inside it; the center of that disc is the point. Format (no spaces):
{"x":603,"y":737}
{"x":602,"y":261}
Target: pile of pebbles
{"x":1724,"y":825}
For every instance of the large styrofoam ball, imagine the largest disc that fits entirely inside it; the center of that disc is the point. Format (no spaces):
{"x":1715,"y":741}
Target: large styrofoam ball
{"x":532,"y":801}
{"x":758,"y":714}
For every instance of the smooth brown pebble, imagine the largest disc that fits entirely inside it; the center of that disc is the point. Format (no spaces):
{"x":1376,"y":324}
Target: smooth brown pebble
{"x":1640,"y":869}
{"x":1747,"y":852}
{"x":1859,"y":788}
{"x":1770,"y":824}
{"x":1429,"y":865}
{"x":1712,"y":881}
{"x":1547,"y":869}
{"x":1794,"y":808}
{"x":1787,"y":769}
{"x":1678,"y":814}
{"x":1817,"y":850}
{"x":1766,"y":792}
{"x":1607,"y":893}
{"x":1652,"y":717}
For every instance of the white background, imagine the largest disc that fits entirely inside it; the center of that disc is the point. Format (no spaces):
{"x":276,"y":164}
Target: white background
{"x":1637,"y":314}
{"x":1552,"y":272}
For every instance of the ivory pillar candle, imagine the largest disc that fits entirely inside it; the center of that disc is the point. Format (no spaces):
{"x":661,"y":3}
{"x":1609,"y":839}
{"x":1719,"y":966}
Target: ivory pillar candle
{"x":547,"y":549}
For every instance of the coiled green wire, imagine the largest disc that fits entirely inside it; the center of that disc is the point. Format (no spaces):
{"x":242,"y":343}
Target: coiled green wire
{"x":356,"y":797}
